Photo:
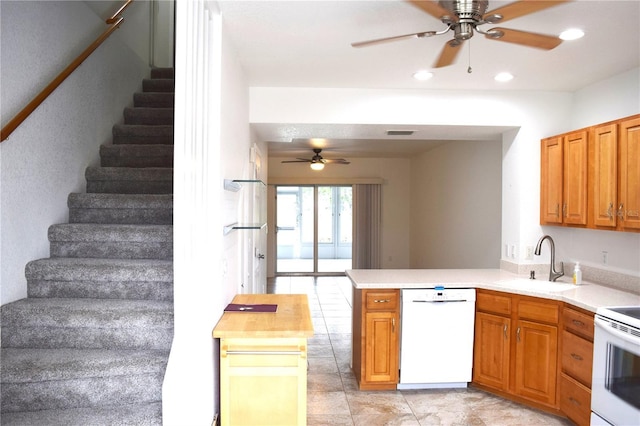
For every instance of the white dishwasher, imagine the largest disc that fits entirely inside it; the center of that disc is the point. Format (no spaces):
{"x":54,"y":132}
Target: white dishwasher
{"x":436,"y":348}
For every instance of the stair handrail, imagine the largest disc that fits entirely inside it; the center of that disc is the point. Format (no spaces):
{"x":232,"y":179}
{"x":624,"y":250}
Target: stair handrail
{"x":114,"y":23}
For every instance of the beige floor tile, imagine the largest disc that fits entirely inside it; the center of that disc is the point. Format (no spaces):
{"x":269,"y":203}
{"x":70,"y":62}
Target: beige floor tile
{"x":324,"y":383}
{"x":385,"y":420}
{"x":329,"y":420}
{"x":452,"y":418}
{"x":323,"y":365}
{"x":377,"y":402}
{"x":327,"y":403}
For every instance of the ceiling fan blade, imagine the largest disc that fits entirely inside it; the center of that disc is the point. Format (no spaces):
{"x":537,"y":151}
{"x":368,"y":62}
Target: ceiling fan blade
{"x":434,"y":9}
{"x":387,"y":39}
{"x":448,"y":54}
{"x":336,"y":161}
{"x":300,"y":160}
{"x":520,"y":8}
{"x":525,"y":38}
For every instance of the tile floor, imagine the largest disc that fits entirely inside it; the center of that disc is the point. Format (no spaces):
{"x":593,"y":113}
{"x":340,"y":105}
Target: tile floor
{"x":332,"y":394}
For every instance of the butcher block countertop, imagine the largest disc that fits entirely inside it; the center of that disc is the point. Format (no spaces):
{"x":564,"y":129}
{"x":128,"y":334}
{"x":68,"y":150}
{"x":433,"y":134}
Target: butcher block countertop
{"x":588,"y":296}
{"x":291,"y":320}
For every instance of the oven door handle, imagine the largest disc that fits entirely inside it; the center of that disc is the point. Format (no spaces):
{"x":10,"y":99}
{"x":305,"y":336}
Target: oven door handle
{"x":604,"y":325}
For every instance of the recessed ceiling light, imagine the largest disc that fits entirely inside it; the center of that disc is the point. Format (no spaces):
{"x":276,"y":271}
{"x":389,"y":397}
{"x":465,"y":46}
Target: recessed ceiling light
{"x":572,"y":34}
{"x":422,"y":75}
{"x":503,"y":76}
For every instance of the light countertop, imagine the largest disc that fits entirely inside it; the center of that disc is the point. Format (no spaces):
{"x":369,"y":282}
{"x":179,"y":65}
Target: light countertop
{"x":292,"y":318}
{"x":588,"y":296}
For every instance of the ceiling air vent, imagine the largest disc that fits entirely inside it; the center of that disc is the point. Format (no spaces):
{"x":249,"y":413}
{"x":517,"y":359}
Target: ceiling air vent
{"x":400,"y":132}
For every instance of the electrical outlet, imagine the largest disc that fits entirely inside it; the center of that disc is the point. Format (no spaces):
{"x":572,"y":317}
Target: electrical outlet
{"x":529,"y":253}
{"x":513,"y":251}
{"x":605,"y":257}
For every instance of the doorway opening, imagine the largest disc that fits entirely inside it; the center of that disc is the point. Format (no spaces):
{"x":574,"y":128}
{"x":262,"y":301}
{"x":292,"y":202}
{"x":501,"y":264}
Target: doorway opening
{"x":313,"y":229}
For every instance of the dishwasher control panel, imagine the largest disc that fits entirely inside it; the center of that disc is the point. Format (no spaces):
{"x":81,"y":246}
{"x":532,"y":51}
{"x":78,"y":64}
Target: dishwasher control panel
{"x":438,"y":294}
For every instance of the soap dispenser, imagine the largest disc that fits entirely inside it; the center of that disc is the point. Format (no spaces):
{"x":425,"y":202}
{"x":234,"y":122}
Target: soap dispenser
{"x":577,"y":274}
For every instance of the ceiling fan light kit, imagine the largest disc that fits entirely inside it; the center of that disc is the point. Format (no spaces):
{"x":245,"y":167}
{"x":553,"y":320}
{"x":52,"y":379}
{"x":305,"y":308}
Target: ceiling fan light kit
{"x":316,"y":165}
{"x":317,"y":162}
{"x":464,"y":17}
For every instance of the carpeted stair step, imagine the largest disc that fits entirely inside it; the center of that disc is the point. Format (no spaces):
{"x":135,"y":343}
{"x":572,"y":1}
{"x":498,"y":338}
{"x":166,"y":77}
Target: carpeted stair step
{"x":148,"y":116}
{"x":136,"y":155}
{"x":137,"y":134}
{"x":154,"y":99}
{"x":140,"y":279}
{"x":121,"y":415}
{"x":162,"y":72}
{"x":152,"y":209}
{"x":158,"y":85}
{"x":129,"y":180}
{"x":50,"y":379}
{"x":109,"y":241}
{"x":87,"y":324}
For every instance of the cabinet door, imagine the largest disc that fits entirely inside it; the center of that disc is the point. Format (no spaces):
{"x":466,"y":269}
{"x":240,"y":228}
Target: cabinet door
{"x":381,"y":347}
{"x":629,"y":201}
{"x":605,"y":175}
{"x":263,"y":381}
{"x":491,"y":350}
{"x":574,"y":207}
{"x":536,"y":361}
{"x":551,"y":180}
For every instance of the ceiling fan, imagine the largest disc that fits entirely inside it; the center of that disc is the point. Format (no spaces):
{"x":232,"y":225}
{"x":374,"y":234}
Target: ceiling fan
{"x":317,"y":162}
{"x":463,"y":17}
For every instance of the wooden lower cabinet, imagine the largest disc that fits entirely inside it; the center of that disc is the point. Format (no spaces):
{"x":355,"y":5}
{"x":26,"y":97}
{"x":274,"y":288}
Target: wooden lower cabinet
{"x":536,"y":361}
{"x":263,"y":381}
{"x":376,"y":343}
{"x":576,"y":364}
{"x":492,"y":350}
{"x":516,"y":347}
{"x":263,"y":361}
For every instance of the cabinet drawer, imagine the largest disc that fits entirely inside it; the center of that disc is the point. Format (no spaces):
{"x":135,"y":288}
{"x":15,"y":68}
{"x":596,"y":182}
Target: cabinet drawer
{"x":578,"y":322}
{"x":494,"y":303}
{"x":381,"y":300}
{"x":547,"y":311}
{"x":575,"y":400}
{"x":577,"y":357}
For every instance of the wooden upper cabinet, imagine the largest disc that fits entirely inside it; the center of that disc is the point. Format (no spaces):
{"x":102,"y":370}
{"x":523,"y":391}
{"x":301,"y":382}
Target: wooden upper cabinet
{"x":605,"y":175}
{"x":591,"y":177}
{"x":574,"y":207}
{"x":629,"y":200}
{"x":551,"y":164}
{"x":563,"y":179}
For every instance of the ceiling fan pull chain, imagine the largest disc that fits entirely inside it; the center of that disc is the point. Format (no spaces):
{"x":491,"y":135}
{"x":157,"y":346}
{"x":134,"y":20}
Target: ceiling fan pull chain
{"x":469,"y":70}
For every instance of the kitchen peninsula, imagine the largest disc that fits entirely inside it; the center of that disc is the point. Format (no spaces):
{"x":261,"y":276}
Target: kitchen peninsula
{"x":263,"y":360}
{"x":533,"y":338}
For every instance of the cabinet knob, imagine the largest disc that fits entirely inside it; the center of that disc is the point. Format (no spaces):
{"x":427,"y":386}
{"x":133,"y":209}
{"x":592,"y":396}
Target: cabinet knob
{"x":381,"y":300}
{"x":576,"y":357}
{"x":577,"y":323}
{"x":621,"y":211}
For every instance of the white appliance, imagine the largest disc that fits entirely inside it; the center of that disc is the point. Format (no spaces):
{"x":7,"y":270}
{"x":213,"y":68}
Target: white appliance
{"x":615,"y":389}
{"x":436,"y":347}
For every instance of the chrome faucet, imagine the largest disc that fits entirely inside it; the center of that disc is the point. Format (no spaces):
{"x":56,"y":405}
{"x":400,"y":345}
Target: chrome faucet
{"x":553,"y":274}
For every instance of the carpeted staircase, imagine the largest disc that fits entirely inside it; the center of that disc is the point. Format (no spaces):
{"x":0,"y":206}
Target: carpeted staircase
{"x":90,"y":343}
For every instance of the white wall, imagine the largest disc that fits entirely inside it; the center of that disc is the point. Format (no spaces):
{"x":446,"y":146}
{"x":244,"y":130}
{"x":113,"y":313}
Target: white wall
{"x":535,"y":114}
{"x":607,"y":100}
{"x":45,"y":158}
{"x":396,"y":207}
{"x":456,"y":206}
{"x":212,"y":143}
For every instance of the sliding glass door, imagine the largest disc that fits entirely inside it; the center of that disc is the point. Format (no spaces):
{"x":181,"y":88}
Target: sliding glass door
{"x":313,"y":229}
